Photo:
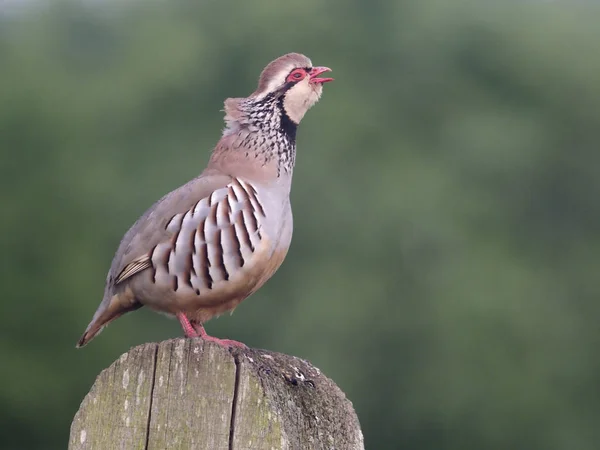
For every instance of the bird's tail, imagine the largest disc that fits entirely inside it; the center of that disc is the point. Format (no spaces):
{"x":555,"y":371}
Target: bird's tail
{"x":109,"y":310}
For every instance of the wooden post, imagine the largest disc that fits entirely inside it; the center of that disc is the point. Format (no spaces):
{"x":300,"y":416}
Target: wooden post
{"x":192,"y":394}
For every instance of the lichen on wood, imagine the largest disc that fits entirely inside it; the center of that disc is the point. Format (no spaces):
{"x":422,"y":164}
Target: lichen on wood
{"x":192,"y":394}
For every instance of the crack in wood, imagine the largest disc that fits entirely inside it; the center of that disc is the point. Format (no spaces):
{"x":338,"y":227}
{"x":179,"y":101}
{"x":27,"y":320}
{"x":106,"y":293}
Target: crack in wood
{"x":152,"y":384}
{"x":169,"y":377}
{"x":236,"y":388}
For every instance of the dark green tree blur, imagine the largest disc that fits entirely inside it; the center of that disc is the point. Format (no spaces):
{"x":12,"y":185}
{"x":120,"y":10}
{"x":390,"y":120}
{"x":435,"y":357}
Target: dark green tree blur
{"x":444,"y":267}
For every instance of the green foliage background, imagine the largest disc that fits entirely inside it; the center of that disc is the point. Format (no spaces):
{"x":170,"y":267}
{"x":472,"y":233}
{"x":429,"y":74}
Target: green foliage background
{"x":444,"y":268}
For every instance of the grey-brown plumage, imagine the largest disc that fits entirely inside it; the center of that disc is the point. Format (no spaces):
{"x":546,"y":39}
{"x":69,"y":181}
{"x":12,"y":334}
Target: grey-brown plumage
{"x":206,"y":246}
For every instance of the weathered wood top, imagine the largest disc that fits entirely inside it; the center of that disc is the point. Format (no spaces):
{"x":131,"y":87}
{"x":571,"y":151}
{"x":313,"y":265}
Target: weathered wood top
{"x":191,"y":394}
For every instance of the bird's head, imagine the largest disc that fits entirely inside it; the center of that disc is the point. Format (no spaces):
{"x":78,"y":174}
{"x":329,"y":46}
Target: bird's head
{"x":293,"y":79}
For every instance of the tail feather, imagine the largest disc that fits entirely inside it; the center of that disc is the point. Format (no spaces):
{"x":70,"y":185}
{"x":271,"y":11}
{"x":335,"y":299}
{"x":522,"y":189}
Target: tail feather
{"x":118,"y":305}
{"x":91,"y":331}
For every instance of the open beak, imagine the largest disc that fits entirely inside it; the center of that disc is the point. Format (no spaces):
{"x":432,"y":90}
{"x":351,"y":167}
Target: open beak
{"x":316,"y":71}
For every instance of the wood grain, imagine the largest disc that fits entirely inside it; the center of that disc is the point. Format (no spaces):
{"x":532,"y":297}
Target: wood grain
{"x":191,"y":394}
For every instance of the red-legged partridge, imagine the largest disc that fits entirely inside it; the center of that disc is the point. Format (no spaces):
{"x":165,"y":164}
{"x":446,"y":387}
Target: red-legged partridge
{"x":206,"y":246}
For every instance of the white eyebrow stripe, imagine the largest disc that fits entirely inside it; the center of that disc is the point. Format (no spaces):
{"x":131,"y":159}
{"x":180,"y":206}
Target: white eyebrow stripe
{"x":279,"y":80}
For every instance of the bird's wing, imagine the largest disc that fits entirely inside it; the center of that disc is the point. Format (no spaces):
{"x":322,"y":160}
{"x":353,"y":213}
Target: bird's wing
{"x":133,"y":253}
{"x":198,"y":235}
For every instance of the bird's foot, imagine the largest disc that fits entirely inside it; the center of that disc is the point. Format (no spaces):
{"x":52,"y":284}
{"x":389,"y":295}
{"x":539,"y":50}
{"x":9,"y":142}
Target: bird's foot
{"x":224,"y":342}
{"x":197,"y":330}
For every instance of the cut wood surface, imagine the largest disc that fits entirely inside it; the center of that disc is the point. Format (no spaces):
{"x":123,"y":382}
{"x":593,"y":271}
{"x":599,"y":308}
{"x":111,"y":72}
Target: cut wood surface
{"x":192,"y":394}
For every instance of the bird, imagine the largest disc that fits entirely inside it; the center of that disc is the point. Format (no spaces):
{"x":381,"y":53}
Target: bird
{"x":206,"y":246}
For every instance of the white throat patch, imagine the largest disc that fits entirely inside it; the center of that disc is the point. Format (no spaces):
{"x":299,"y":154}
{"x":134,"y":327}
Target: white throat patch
{"x":300,"y":98}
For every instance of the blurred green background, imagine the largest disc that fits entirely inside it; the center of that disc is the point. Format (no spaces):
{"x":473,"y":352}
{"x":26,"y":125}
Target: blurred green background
{"x":444,"y":267}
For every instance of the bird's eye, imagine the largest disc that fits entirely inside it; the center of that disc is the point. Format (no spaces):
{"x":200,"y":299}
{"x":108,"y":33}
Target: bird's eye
{"x":296,"y":75}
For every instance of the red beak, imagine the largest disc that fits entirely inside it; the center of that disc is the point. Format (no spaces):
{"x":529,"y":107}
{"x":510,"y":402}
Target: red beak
{"x":318,"y":71}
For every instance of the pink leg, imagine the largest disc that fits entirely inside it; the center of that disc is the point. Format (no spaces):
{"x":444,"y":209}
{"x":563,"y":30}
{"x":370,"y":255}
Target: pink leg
{"x":188,"y":329}
{"x":199,"y":329}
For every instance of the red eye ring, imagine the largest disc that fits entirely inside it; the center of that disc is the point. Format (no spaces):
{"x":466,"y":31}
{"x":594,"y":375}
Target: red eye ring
{"x":296,"y":75}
